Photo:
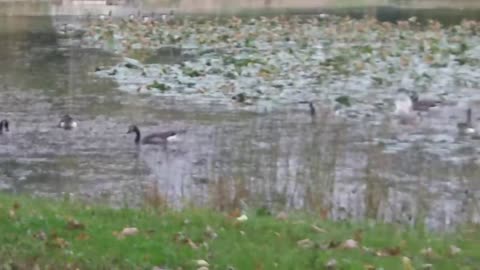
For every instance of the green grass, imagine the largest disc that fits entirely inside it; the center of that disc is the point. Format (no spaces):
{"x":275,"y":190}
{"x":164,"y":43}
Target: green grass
{"x":35,"y":232}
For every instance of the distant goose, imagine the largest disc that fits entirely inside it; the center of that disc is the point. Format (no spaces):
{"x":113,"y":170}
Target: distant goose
{"x":67,"y":122}
{"x":466,"y":127}
{"x":422,"y":105}
{"x":154,"y":138}
{"x":3,"y":124}
{"x":311,"y":107}
{"x":404,"y":107}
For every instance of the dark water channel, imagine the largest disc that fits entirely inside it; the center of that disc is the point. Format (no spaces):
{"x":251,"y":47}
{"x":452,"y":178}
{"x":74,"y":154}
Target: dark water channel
{"x":227,"y":158}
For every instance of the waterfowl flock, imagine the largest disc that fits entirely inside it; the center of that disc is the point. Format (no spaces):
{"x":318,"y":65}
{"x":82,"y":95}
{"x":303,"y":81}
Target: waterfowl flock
{"x":67,"y":122}
{"x":407,"y":109}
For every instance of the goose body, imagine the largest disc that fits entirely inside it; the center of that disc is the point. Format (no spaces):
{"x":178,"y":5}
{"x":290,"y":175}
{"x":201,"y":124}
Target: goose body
{"x":154,"y":138}
{"x":3,"y":125}
{"x":67,"y":122}
{"x":422,"y":105}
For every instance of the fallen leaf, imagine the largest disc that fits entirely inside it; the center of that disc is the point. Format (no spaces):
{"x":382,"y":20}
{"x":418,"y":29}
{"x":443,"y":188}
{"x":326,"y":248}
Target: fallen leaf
{"x":428,"y":252}
{"x":210,"y":233}
{"x":305,"y":243}
{"x":407,"y":264}
{"x":333,"y":244}
{"x":242,"y":218}
{"x":41,"y":235}
{"x":454,"y":250}
{"x":331,"y":264}
{"x":318,"y":229}
{"x":235,"y":213}
{"x":427,"y":266}
{"x":191,"y":244}
{"x":74,"y":224}
{"x":82,"y":236}
{"x":395,"y":251}
{"x":282,"y":216}
{"x":369,"y":267}
{"x":60,"y":242}
{"x":349,"y":244}
{"x":201,"y":263}
{"x":12,"y":213}
{"x":129,"y":231}
{"x":16,"y":206}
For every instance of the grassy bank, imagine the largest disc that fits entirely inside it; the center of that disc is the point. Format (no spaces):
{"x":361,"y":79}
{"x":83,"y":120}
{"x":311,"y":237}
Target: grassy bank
{"x":46,"y":234}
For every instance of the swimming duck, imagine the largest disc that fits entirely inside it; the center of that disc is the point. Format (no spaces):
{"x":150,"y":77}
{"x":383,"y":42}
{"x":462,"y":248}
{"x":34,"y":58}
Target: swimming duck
{"x":67,"y":122}
{"x":3,"y":124}
{"x":466,"y":128}
{"x":154,"y":138}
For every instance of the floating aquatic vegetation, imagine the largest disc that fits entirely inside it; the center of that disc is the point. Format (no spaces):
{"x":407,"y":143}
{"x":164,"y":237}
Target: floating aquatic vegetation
{"x":291,"y":58}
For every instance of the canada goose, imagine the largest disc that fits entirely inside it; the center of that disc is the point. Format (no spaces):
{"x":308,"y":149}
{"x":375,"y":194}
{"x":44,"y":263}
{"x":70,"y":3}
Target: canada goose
{"x":466,"y":127}
{"x":154,"y":138}
{"x":422,"y":105}
{"x":311,"y":107}
{"x":67,"y":122}
{"x":3,"y":124}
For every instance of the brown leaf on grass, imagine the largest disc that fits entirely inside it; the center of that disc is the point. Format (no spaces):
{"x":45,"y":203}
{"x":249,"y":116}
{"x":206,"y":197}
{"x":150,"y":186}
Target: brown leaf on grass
{"x":305,"y":243}
{"x":41,"y":235}
{"x":333,"y":244}
{"x":427,"y":266}
{"x":210,"y":233}
{"x":235,"y":213}
{"x":190,"y":243}
{"x":202,"y":263}
{"x":59,"y":242}
{"x":429,"y":253}
{"x":331,"y":264}
{"x":369,"y":267}
{"x":454,"y":250}
{"x":16,"y":206}
{"x":282,"y":216}
{"x":393,"y":251}
{"x":179,"y":237}
{"x":12,"y":213}
{"x":82,"y":237}
{"x":128,"y":231}
{"x":349,"y":244}
{"x":74,"y":224}
{"x":318,"y":229}
{"x":407,"y":264}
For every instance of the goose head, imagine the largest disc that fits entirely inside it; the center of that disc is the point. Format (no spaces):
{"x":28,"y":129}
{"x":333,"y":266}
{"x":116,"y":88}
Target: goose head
{"x":132,"y":128}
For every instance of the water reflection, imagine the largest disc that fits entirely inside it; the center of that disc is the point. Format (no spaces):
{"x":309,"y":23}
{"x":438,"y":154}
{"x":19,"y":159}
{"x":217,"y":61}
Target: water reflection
{"x":334,"y":167}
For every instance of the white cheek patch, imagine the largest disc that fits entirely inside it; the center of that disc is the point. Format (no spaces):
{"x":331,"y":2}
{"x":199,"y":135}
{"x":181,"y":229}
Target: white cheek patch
{"x":74,"y":124}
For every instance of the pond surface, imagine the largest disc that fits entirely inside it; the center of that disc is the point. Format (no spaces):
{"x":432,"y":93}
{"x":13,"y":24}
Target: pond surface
{"x":333,"y":165}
